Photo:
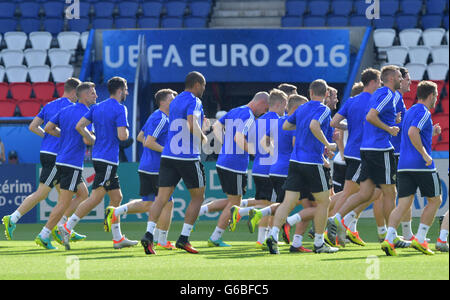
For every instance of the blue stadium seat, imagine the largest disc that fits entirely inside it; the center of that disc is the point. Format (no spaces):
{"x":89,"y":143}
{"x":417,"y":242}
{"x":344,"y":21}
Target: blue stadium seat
{"x":406,"y":21}
{"x":342,"y":7}
{"x":7,"y":24}
{"x":102,"y":23}
{"x":28,"y":25}
{"x":431,"y":21}
{"x":446,"y":22}
{"x":296,"y":8}
{"x":148,"y":22}
{"x":124,"y":22}
{"x":411,"y":7}
{"x":80,"y":25}
{"x":360,"y":8}
{"x":171,"y":22}
{"x":53,"y":8}
{"x":195,"y":22}
{"x":435,"y":6}
{"x":318,"y":8}
{"x":29,"y":9}
{"x":7,"y":9}
{"x":384,"y":22}
{"x":336,"y":21}
{"x":152,"y":8}
{"x":85,"y":8}
{"x":200,"y":8}
{"x":314,"y":21}
{"x":175,"y":8}
{"x":104,"y":8}
{"x":53,"y":25}
{"x":389,"y":7}
{"x":359,"y":21}
{"x":128,"y":8}
{"x":291,"y":21}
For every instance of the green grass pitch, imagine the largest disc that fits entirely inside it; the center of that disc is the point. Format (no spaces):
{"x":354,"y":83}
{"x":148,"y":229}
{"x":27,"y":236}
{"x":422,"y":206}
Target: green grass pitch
{"x":95,"y":258}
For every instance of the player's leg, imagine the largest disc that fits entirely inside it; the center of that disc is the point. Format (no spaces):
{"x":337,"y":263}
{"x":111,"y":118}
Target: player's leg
{"x":406,"y":225}
{"x":163,"y":226}
{"x":441,"y":243}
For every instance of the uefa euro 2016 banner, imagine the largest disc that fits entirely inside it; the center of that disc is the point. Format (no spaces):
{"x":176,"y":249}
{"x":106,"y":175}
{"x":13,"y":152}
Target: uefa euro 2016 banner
{"x":231,"y":55}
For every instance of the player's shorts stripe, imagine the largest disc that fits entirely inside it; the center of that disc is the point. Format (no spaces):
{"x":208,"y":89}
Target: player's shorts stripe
{"x":51,"y":176}
{"x":387,"y":166}
{"x":274,"y":196}
{"x":199,"y":175}
{"x":74,"y":180}
{"x":436,"y":184}
{"x":323,"y":179}
{"x":357,"y":174}
{"x":107,"y":174}
{"x":239,"y":184}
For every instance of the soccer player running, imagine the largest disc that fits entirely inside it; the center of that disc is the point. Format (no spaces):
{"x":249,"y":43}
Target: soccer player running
{"x":109,"y":119}
{"x":153,"y":136}
{"x":69,"y":161}
{"x":49,"y":150}
{"x":416,"y":169}
{"x":180,"y":159}
{"x":441,"y":243}
{"x":377,"y":152}
{"x":306,"y":170}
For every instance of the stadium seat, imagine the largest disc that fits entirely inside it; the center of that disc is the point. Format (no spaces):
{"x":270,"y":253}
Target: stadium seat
{"x":445,"y":105}
{"x":29,"y":9}
{"x":61,"y":73}
{"x":39,"y":73}
{"x":296,"y":8}
{"x":60,"y":88}
{"x":53,"y":25}
{"x":12,"y":57}
{"x":360,"y":21}
{"x":84,"y":39}
{"x":15,"y":40}
{"x":40,"y":40}
{"x":148,"y":22}
{"x":20,"y":90}
{"x":440,"y":54}
{"x":53,"y":8}
{"x":431,"y":21}
{"x":171,"y":22}
{"x":397,"y":55}
{"x":411,"y":7}
{"x":4,"y":87}
{"x":291,"y":21}
{"x":442,"y":119}
{"x":419,"y":54}
{"x":29,"y":107}
{"x":384,"y":22}
{"x":416,"y":71}
{"x":128,"y":8}
{"x":152,"y":8}
{"x":7,"y":24}
{"x":7,"y":9}
{"x":175,"y":8}
{"x":104,"y":8}
{"x":389,"y":8}
{"x":68,"y":40}
{"x":406,"y":21}
{"x":16,"y":73}
{"x":7,"y":108}
{"x":102,"y":23}
{"x":28,"y":25}
{"x":342,"y":7}
{"x":59,"y":57}
{"x":35,"y":57}
{"x":384,"y":37}
{"x":194,"y":22}
{"x":314,"y":21}
{"x":85,"y":9}
{"x":125,"y":22}
{"x":79,"y":25}
{"x":360,"y":8}
{"x":199,"y":8}
{"x":437,"y":71}
{"x":433,"y":36}
{"x":410,"y":37}
{"x":318,"y":8}
{"x":447,"y":37}
{"x":337,"y":21}
{"x":44,"y":91}
{"x":435,"y":6}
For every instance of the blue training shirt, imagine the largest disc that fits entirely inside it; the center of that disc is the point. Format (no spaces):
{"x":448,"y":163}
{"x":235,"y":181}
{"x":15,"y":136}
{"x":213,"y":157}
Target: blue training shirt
{"x":231,"y":157}
{"x":181,"y":144}
{"x":72,"y":146}
{"x":410,"y":159}
{"x":157,"y":125}
{"x":354,"y":110}
{"x":283,"y":148}
{"x":375,"y":138}
{"x":262,"y":162}
{"x":308,"y":149}
{"x":50,"y":144}
{"x":399,"y":107}
{"x":106,"y":117}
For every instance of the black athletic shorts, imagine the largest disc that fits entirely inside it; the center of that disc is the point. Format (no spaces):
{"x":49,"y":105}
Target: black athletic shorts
{"x":379,"y":166}
{"x":148,"y":184}
{"x":310,"y":177}
{"x":279,"y":182}
{"x":105,"y":176}
{"x":49,"y":173}
{"x":171,"y":171}
{"x":233,"y":183}
{"x":353,"y":170}
{"x":69,"y":178}
{"x":264,"y":189}
{"x":428,"y":183}
{"x":338,"y":177}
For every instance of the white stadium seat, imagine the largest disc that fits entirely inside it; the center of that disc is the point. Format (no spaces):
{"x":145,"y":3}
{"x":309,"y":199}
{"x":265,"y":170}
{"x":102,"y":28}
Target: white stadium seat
{"x":17,"y":73}
{"x":16,"y":40}
{"x":35,"y":57}
{"x":437,"y":71}
{"x":61,"y":73}
{"x":416,"y":71}
{"x":410,"y":37}
{"x":84,"y":38}
{"x":440,"y":54}
{"x":397,"y":55}
{"x":419,"y":54}
{"x":12,"y":57}
{"x":433,"y":36}
{"x":59,"y":56}
{"x":68,"y":40}
{"x":40,"y":39}
{"x":39,"y":73}
{"x":2,"y":73}
{"x":384,"y":38}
